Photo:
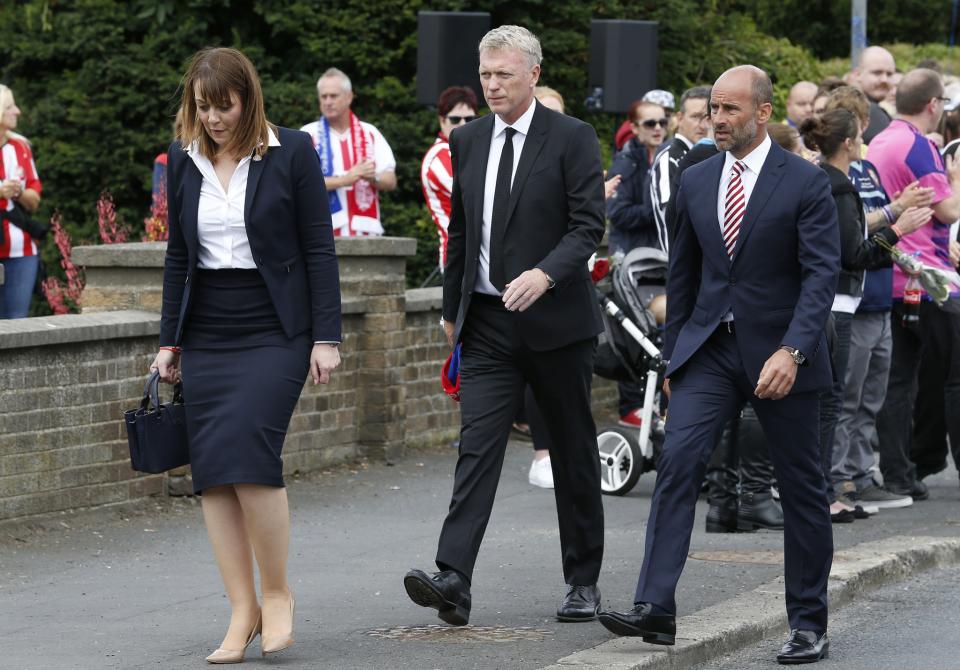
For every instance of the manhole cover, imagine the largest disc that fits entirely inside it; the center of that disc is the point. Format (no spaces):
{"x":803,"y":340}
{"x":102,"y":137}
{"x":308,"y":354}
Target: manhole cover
{"x":759,"y":557}
{"x":460,"y":634}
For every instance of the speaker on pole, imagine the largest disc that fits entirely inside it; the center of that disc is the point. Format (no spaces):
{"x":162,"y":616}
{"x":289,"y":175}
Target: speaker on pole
{"x":623,"y":63}
{"x":447,"y":52}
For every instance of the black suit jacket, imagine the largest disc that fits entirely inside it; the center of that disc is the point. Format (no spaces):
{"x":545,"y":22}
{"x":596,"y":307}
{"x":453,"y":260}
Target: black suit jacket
{"x":287,"y":216}
{"x":554,"y":222}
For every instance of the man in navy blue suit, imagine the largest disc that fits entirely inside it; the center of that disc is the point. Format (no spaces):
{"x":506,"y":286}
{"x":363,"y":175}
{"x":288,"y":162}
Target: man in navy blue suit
{"x":753,"y":270}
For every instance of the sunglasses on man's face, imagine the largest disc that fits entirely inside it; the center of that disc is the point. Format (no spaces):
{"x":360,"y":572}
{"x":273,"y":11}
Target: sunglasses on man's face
{"x":457,"y":120}
{"x":652,"y":123}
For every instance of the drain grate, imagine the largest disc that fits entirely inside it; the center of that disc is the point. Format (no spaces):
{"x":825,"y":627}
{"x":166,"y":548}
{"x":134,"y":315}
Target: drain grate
{"x":461,"y":634}
{"x":732,"y":556}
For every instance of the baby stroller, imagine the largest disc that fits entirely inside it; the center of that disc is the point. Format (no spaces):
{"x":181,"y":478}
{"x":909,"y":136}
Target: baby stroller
{"x":629,"y":351}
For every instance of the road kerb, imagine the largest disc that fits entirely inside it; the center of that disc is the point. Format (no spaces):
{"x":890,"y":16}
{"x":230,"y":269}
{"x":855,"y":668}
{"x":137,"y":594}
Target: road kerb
{"x":750,"y":617}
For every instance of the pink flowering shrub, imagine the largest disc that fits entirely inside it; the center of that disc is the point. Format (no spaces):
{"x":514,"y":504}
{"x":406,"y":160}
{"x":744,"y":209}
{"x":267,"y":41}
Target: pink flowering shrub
{"x":63,"y":298}
{"x":111,"y":231}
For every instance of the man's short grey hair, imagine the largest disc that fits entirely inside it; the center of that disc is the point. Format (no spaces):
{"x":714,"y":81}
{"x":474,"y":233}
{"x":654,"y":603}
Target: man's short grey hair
{"x":338,"y":74}
{"x":695,"y":93}
{"x":513,"y":37}
{"x":762,"y":88}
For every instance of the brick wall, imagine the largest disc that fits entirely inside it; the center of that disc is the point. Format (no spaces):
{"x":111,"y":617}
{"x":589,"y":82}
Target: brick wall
{"x":61,"y":440}
{"x":432,"y":417}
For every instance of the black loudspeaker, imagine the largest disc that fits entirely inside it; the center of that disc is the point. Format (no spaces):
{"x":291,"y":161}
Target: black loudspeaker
{"x":623,"y":63}
{"x":447,"y":52}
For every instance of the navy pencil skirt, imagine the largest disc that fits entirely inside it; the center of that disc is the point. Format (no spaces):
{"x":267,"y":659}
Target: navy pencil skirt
{"x":242,"y":377}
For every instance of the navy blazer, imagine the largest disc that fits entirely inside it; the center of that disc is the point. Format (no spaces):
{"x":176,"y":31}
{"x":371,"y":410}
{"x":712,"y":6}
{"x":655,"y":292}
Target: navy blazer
{"x":287,"y":217}
{"x":554,"y":222}
{"x":783,"y":275}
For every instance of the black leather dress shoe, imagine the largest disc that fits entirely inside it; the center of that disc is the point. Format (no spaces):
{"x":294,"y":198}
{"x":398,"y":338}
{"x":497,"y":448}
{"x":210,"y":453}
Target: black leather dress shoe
{"x":446,"y":591}
{"x":721,"y":519}
{"x":804,"y":646}
{"x":759,"y":511}
{"x":580,"y":604}
{"x":639,"y":622}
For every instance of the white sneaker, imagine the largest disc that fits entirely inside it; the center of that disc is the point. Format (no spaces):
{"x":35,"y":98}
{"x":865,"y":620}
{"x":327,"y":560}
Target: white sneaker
{"x":541,"y":474}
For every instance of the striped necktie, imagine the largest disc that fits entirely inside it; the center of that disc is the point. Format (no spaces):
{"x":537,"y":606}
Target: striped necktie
{"x":734,"y":207}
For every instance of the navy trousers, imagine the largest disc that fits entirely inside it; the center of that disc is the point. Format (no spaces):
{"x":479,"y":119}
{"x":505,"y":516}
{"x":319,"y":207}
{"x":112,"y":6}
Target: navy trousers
{"x":706,"y":393}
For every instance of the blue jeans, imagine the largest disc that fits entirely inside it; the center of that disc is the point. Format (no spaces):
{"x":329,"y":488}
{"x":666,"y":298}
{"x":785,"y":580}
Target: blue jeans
{"x":19,"y":278}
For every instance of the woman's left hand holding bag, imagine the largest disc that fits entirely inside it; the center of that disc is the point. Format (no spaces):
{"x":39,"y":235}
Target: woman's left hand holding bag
{"x":324,"y":359}
{"x":168,"y":363}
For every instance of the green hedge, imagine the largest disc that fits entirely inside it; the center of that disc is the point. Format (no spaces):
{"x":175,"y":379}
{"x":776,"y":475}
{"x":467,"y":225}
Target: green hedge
{"x":97,"y":79}
{"x":823,"y":26}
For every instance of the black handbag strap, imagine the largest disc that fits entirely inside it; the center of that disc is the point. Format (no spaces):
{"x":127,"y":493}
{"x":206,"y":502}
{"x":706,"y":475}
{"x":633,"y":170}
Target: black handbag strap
{"x":151,"y":392}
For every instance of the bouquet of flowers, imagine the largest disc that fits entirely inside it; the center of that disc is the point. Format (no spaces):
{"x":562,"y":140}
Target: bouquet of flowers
{"x":936,"y":281}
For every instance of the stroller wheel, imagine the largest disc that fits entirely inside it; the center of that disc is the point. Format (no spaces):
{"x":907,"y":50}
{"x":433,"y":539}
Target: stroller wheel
{"x":621,"y":462}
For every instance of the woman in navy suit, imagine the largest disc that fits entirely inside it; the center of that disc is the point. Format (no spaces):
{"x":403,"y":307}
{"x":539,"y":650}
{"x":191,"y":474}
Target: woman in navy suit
{"x":251,"y":304}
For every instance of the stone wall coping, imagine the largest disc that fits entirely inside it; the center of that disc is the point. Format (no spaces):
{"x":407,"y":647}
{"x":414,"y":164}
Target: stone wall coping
{"x":128,"y":255}
{"x":353,"y":304}
{"x":424,"y":299}
{"x":53,"y":330}
{"x":42,"y":331}
{"x":151,"y":254}
{"x":376,"y":246}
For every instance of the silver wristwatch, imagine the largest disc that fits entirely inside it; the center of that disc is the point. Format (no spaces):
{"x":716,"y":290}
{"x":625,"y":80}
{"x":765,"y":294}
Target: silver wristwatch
{"x":796,"y":354}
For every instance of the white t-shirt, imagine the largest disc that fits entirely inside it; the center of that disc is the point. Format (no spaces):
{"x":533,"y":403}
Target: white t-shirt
{"x":383,"y":159}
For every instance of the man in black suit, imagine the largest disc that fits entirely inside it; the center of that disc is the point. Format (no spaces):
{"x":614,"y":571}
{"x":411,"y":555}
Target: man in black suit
{"x":527,"y":213}
{"x":753,"y":272}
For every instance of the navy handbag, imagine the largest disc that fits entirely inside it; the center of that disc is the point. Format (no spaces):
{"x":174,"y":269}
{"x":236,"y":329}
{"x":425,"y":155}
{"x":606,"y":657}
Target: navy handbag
{"x":157,"y":433}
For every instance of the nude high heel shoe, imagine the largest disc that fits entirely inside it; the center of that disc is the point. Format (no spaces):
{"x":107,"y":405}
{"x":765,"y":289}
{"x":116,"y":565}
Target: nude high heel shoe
{"x":223,"y":656}
{"x":281,"y":642}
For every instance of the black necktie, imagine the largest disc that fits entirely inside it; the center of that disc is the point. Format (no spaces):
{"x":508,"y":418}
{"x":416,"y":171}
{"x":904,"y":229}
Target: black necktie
{"x":498,"y":221}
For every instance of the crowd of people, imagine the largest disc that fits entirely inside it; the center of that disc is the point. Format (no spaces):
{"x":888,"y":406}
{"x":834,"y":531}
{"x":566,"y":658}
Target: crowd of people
{"x":901,"y":185}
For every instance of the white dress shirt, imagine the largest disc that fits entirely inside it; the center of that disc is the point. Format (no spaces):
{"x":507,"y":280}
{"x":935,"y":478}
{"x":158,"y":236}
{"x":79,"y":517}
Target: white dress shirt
{"x":221,"y":230}
{"x":522,"y":126}
{"x":754,"y":162}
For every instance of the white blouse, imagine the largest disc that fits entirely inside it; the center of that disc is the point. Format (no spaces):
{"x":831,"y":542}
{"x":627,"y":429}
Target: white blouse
{"x":221,"y":230}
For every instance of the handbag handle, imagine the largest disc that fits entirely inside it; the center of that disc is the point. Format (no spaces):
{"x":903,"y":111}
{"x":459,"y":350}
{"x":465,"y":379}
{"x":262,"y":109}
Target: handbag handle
{"x":151,"y":392}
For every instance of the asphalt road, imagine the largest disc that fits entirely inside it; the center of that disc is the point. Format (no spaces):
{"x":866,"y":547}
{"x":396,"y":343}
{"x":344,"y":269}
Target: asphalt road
{"x":139,"y":588}
{"x":912,"y":624}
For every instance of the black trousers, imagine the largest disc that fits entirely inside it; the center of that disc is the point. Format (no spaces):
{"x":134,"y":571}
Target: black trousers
{"x":531,"y":415}
{"x":928,"y":450}
{"x":936,"y":341}
{"x":495,"y":368}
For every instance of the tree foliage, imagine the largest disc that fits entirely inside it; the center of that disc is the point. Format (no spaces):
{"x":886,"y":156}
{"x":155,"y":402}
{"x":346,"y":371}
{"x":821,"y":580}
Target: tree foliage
{"x":823,"y":26}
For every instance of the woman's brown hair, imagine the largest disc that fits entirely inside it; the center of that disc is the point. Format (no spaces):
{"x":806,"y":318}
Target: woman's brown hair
{"x":216,"y":72}
{"x":851,"y":99}
{"x":827,"y":132}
